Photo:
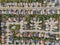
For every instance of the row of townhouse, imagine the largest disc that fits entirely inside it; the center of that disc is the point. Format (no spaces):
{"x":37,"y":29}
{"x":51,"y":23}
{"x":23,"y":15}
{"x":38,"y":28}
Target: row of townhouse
{"x":31,"y":4}
{"x":30,"y":11}
{"x":51,"y":24}
{"x":17,"y":37}
{"x":10,"y":36}
{"x":21,"y":4}
{"x":29,"y":38}
{"x":34,"y":4}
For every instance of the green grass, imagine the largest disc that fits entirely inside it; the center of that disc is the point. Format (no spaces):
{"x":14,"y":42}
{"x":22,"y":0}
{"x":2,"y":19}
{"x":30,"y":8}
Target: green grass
{"x":17,"y":27}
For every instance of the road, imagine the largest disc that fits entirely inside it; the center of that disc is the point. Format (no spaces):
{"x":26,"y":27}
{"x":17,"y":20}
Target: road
{"x":5,"y":8}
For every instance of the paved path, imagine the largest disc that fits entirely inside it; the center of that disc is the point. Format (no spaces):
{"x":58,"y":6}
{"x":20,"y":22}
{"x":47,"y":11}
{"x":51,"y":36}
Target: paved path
{"x":21,"y":30}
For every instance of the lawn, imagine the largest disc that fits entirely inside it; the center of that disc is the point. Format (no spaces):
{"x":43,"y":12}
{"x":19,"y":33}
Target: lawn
{"x":14,"y":26}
